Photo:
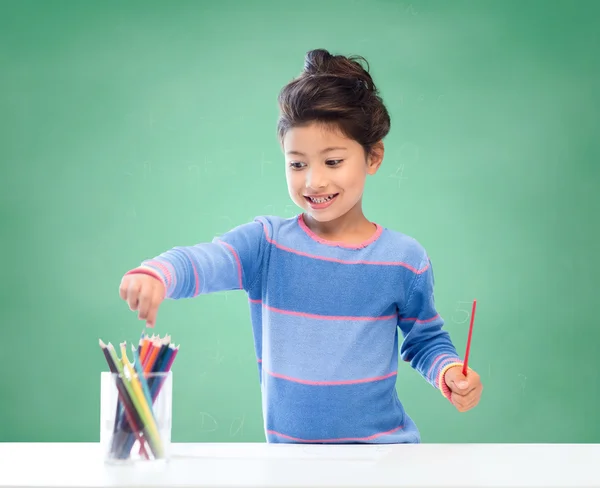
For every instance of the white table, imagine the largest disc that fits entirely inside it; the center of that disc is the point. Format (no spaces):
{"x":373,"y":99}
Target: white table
{"x":293,"y":466}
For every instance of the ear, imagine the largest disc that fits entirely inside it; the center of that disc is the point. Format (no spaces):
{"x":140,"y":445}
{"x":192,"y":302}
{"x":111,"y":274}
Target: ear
{"x":375,"y":158}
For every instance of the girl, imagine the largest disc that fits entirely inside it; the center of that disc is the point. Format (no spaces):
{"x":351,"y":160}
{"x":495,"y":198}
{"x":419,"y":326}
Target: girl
{"x":328,"y":289}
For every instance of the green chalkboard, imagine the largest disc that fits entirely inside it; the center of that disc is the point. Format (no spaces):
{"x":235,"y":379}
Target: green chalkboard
{"x":128,"y":128}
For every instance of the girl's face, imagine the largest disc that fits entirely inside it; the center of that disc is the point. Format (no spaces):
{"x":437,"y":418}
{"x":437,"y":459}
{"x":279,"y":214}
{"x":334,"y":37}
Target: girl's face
{"x":326,"y":171}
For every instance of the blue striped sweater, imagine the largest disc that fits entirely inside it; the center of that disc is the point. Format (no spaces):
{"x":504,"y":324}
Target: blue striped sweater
{"x":326,"y":318}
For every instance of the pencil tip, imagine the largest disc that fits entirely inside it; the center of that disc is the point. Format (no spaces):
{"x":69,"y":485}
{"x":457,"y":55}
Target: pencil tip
{"x":101,"y":343}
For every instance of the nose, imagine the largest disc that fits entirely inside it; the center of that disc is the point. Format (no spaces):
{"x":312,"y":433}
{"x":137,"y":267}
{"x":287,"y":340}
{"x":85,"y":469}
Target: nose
{"x":315,"y":178}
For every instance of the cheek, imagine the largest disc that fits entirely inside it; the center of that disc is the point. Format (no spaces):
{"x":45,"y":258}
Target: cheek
{"x":294,"y":182}
{"x":352,"y":181}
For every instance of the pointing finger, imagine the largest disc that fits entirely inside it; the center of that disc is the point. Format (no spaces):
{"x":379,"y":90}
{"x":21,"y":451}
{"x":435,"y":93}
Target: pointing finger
{"x":123,"y":287}
{"x":144,"y":304}
{"x":133,"y":292}
{"x":157,"y":298}
{"x":151,"y":319}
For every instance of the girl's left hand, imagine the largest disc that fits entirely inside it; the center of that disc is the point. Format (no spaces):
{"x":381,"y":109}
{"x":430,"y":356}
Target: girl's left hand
{"x":465,"y":391}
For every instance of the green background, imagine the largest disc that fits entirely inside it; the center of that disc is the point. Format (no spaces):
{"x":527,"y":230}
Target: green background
{"x":130,"y":127}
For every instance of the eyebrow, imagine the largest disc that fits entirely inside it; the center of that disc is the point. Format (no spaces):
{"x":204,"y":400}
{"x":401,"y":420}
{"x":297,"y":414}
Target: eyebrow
{"x":327,"y":149}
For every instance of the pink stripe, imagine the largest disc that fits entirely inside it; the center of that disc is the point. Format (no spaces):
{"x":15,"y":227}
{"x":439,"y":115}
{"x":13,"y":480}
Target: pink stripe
{"x":444,"y":358}
{"x":197,"y":290}
{"x":163,"y":268}
{"x":419,"y":321}
{"x":321,"y":317}
{"x":342,"y":261}
{"x":331,"y":383}
{"x":341,"y":439}
{"x":442,"y":365}
{"x":237,"y":259}
{"x":435,"y":360}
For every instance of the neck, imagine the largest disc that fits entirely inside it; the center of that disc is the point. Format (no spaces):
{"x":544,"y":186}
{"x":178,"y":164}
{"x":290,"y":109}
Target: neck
{"x":351,"y":224}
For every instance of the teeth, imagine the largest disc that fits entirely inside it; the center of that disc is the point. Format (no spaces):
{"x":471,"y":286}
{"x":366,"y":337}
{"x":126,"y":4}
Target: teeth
{"x":321,"y":200}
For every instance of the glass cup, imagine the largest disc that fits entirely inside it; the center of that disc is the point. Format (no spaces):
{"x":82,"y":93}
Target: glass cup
{"x":135,"y":416}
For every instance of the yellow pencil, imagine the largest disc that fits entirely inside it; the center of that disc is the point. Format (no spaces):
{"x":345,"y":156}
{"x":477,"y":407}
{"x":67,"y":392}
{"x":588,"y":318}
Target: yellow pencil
{"x":142,"y":405}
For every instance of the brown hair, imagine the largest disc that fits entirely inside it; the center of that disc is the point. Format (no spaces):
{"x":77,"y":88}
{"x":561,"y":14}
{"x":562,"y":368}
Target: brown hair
{"x":334,"y":90}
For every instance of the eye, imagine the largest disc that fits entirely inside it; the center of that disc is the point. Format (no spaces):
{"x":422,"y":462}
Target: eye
{"x":334,"y":162}
{"x":295,"y":164}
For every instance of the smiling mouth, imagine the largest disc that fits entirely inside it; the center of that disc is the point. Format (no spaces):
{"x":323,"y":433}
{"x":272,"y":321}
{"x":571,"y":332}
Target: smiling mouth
{"x":324,"y":199}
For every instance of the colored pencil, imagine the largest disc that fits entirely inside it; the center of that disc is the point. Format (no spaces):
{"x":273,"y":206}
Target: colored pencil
{"x":130,"y":412}
{"x":139,"y":389}
{"x":140,"y":372}
{"x":146,"y":429}
{"x":142,"y":405}
{"x":162,"y":364}
{"x":465,"y":365}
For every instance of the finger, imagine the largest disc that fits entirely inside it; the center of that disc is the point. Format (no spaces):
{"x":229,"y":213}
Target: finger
{"x":466,"y":403}
{"x":460,"y":387}
{"x":151,"y":318}
{"x":144,"y":303}
{"x":123,"y":287}
{"x":153,"y":310}
{"x":461,"y":405}
{"x":464,"y":392}
{"x":133,"y":292}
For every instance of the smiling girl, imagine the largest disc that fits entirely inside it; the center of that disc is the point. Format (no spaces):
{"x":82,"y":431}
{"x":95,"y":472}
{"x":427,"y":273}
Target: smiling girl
{"x":330,"y":292}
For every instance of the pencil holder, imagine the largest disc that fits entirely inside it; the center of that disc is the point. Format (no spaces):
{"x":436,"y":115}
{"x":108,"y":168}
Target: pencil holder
{"x":135,"y":416}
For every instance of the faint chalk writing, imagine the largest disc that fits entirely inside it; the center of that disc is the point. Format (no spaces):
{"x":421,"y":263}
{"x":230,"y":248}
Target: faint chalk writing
{"x":237,"y":426}
{"x":218,"y":357}
{"x":207,"y":422}
{"x":207,"y":164}
{"x":290,"y":211}
{"x":462,"y":312}
{"x":522,"y":382}
{"x":263,"y":162}
{"x":399,"y":174}
{"x":411,"y":9}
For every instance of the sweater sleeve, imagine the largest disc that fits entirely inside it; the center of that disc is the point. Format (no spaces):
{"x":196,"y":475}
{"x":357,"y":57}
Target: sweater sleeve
{"x":426,"y":345}
{"x":232,"y":261}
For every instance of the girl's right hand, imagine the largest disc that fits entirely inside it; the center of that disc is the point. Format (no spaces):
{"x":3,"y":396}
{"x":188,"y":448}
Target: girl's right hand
{"x":143,"y":293}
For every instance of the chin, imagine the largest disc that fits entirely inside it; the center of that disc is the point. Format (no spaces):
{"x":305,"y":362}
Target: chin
{"x":319,"y":217}
{"x":324,"y":216}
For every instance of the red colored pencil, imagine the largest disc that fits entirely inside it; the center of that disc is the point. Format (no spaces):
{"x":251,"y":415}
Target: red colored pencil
{"x":465,"y":365}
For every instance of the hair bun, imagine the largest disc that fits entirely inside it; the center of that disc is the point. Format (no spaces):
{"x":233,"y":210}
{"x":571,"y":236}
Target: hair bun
{"x":317,"y":61}
{"x":320,"y":62}
{"x":337,"y":90}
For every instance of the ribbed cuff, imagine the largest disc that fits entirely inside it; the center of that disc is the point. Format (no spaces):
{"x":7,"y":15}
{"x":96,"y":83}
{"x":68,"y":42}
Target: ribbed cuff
{"x":150,"y":272}
{"x":443,"y":387}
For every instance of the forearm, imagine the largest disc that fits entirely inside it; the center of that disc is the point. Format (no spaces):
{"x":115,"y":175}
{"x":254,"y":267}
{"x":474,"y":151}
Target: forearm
{"x":178,"y":269}
{"x":426,"y":345}
{"x":232,"y":262}
{"x":430,"y":351}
